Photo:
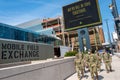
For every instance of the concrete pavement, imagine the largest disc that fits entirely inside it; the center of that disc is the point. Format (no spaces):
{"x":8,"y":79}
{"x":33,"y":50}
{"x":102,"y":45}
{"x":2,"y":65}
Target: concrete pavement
{"x":115,"y":75}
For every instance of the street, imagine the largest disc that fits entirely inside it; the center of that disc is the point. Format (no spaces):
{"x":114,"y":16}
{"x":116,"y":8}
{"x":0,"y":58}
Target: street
{"x":114,"y":75}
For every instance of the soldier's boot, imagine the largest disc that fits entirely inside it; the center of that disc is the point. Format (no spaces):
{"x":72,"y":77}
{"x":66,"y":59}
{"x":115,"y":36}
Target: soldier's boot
{"x":78,"y":74}
{"x":107,"y":69}
{"x":82,"y":72}
{"x":92,"y":76}
{"x":96,"y":76}
{"x":99,"y":69}
{"x":110,"y":68}
{"x":79,"y":78}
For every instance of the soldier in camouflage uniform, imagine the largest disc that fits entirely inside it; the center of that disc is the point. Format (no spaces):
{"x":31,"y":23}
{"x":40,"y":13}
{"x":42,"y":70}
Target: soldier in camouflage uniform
{"x":87,"y":60}
{"x":79,"y":65}
{"x":99,"y":60}
{"x":107,"y":59}
{"x":93,"y":65}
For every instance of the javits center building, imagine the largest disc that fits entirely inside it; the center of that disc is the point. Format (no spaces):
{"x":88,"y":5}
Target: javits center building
{"x":15,"y":33}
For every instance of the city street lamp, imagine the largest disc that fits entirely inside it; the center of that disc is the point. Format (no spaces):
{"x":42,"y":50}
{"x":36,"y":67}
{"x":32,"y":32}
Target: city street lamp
{"x":109,"y":36}
{"x":115,"y":14}
{"x":108,"y":32}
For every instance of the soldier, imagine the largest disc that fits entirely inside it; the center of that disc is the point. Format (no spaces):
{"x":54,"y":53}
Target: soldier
{"x":87,"y":61}
{"x":93,"y":65}
{"x":107,"y":59}
{"x":77,"y":62}
{"x":79,"y":65}
{"x":83,"y":60}
{"x":99,"y":61}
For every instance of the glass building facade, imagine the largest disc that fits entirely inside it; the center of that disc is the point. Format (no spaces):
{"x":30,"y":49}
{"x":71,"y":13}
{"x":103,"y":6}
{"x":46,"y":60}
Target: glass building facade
{"x":15,"y":33}
{"x":36,"y":26}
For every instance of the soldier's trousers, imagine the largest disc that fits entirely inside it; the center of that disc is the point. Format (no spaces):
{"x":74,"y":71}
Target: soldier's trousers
{"x":93,"y":70}
{"x":99,"y":66}
{"x":80,"y":70}
{"x":108,"y":66}
{"x":88,"y":65}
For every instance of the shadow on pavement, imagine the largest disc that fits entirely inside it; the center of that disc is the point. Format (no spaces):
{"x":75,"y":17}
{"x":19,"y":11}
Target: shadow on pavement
{"x":86,"y":76}
{"x":100,"y":77}
{"x":113,"y":70}
{"x":102,"y":70}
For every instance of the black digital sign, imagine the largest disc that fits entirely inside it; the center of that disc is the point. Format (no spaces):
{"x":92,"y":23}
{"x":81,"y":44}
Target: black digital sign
{"x":85,"y":13}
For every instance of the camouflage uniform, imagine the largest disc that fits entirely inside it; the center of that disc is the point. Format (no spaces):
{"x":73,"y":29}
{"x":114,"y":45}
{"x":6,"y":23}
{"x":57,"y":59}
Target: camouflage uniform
{"x":79,"y":65}
{"x":107,"y":60}
{"x":93,"y":66}
{"x":99,"y":60}
{"x":87,"y":60}
{"x":83,"y":60}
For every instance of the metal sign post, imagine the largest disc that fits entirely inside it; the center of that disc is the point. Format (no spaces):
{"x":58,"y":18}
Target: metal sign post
{"x":84,"y":41}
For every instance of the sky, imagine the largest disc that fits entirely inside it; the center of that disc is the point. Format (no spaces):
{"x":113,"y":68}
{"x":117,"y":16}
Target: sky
{"x":14,"y":12}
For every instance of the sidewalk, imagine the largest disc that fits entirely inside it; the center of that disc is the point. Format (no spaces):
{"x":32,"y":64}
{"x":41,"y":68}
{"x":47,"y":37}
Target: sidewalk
{"x":115,"y":75}
{"x":117,"y":54}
